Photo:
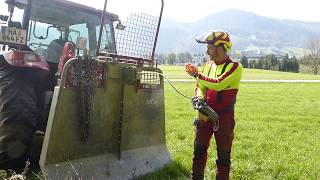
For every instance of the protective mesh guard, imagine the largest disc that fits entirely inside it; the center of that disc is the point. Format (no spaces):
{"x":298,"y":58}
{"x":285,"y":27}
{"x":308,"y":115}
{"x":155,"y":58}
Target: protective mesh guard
{"x":137,"y":39}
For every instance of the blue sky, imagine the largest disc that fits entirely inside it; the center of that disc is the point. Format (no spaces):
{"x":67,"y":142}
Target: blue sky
{"x":192,"y":10}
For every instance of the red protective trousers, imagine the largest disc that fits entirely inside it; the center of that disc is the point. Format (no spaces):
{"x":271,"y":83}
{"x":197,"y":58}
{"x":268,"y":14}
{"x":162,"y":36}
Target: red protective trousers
{"x":223,"y":137}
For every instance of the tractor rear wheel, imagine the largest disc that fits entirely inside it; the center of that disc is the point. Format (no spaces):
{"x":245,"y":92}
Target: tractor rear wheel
{"x":18,"y":116}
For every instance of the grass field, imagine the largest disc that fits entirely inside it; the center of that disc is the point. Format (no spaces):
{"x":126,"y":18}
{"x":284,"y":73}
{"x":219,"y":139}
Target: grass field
{"x":276,"y":134}
{"x":177,"y":72}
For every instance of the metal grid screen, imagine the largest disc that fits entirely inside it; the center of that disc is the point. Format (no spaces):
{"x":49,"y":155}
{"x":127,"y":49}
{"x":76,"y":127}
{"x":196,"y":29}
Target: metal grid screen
{"x":149,"y":77}
{"x":137,"y":39}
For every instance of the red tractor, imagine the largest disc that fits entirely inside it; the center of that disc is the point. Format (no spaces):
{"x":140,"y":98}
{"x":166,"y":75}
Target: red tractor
{"x":32,"y":38}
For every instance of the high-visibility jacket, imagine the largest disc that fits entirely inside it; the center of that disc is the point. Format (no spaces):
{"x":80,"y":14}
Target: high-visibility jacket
{"x":218,"y":84}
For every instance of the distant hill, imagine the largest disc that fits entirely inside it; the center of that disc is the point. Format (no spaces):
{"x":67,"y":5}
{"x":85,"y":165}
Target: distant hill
{"x":249,"y":32}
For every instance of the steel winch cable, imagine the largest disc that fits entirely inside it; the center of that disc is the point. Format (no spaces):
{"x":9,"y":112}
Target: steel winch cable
{"x":174,"y":87}
{"x":202,"y":108}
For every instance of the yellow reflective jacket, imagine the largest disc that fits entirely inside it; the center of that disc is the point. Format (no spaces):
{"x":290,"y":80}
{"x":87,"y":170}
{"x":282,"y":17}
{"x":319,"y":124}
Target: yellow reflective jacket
{"x":218,"y":84}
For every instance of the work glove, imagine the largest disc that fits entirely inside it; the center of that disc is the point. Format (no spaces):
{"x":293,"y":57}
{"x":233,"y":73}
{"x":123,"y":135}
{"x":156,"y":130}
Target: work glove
{"x":191,"y":69}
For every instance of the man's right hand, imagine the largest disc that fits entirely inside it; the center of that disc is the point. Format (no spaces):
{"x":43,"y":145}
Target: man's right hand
{"x":191,"y":69}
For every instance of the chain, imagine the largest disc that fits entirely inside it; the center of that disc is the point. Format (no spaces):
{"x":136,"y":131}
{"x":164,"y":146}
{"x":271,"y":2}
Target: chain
{"x":92,"y":66}
{"x":121,"y":115}
{"x":120,"y":124}
{"x":78,"y":72}
{"x":85,"y":73}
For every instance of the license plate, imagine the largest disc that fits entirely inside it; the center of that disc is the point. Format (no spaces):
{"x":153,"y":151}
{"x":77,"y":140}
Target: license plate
{"x":9,"y":35}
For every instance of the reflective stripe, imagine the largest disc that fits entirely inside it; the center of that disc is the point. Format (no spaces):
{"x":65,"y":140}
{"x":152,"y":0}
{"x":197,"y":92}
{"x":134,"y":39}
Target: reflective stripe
{"x":230,"y":79}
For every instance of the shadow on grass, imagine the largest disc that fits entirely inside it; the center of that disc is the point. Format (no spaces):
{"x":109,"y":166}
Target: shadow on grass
{"x":173,"y":170}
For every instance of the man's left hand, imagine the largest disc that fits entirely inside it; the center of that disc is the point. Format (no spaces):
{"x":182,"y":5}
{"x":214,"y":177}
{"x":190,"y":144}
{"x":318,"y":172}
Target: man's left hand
{"x":195,"y":101}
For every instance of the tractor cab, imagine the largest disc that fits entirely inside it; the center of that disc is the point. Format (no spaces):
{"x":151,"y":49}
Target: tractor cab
{"x":49,"y":23}
{"x":52,"y":23}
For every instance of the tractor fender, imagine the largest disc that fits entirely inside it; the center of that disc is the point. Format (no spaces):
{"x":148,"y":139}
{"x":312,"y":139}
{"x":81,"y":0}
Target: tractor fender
{"x":25,"y":59}
{"x":35,"y":65}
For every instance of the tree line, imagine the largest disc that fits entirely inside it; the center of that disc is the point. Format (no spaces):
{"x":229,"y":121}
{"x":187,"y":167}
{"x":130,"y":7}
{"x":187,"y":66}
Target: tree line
{"x":172,"y":58}
{"x":272,"y":62}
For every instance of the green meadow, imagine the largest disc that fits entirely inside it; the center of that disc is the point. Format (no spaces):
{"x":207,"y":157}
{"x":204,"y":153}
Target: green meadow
{"x":276,"y":133}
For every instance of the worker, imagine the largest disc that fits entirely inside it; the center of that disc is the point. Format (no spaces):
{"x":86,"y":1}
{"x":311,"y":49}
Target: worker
{"x":217,"y":85}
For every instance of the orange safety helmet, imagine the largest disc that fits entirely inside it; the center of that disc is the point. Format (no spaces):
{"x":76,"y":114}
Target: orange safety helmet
{"x":216,"y":38}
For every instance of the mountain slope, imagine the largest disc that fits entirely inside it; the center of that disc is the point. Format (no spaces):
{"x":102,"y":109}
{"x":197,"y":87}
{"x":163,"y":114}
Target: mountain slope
{"x":248,"y":31}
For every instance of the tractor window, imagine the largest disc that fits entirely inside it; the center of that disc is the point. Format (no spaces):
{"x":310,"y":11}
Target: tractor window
{"x":46,"y":40}
{"x":59,"y":24}
{"x":107,"y":45}
{"x":79,"y":31}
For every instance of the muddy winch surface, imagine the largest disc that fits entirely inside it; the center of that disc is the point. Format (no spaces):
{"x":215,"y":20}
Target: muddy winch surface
{"x":107,"y":116}
{"x":115,"y":130}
